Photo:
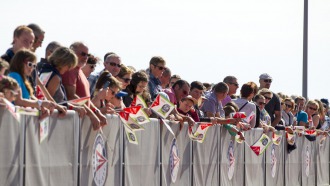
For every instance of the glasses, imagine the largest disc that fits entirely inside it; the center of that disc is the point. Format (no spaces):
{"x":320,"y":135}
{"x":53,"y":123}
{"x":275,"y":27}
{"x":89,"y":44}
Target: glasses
{"x":269,"y":98}
{"x":126,"y":80}
{"x":267,"y":80}
{"x":92,"y":66}
{"x":312,"y":108}
{"x":160,"y":68}
{"x":236,"y":84}
{"x":113,"y":92}
{"x":30,"y":64}
{"x":261,"y":103}
{"x":84,"y":54}
{"x":114,"y":64}
{"x":289,"y":106}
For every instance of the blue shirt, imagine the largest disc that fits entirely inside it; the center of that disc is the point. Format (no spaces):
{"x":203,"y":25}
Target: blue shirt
{"x":20,"y":81}
{"x":212,"y":104}
{"x":154,"y":86}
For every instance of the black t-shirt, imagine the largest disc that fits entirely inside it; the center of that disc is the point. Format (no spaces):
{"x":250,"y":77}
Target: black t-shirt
{"x":273,"y":105}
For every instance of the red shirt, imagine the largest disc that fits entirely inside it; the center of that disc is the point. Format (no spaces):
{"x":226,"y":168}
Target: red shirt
{"x":77,"y":78}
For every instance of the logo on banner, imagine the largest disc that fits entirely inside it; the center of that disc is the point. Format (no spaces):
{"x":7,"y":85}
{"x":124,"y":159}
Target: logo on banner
{"x":99,"y":161}
{"x":273,"y":161}
{"x":307,"y":161}
{"x":231,"y":160}
{"x":261,"y":145}
{"x":174,"y":161}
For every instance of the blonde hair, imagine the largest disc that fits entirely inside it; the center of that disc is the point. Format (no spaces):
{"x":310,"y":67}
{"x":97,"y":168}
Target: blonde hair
{"x":63,"y":56}
{"x":264,"y":91}
{"x":7,"y":82}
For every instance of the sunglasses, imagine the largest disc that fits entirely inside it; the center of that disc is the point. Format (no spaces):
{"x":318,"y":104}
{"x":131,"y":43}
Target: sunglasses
{"x":267,"y":80}
{"x":236,"y":84}
{"x":112,"y":92}
{"x":261,"y":103}
{"x":289,"y":106}
{"x":160,"y":68}
{"x":92,"y":66}
{"x":126,"y":80}
{"x":114,"y":64}
{"x":312,"y":108}
{"x":30,"y":64}
{"x":84,"y":54}
{"x":269,"y":98}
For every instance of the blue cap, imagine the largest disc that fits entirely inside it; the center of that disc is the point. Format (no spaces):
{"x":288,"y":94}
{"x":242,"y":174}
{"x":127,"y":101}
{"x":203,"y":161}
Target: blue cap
{"x":121,"y":94}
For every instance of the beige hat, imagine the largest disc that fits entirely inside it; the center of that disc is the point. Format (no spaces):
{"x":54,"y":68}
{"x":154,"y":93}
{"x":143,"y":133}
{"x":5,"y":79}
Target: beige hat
{"x":190,"y":98}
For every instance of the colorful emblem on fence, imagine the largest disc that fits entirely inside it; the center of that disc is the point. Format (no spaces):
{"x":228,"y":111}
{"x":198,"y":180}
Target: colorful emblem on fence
{"x":231,"y":160}
{"x":99,"y":161}
{"x":174,"y":161}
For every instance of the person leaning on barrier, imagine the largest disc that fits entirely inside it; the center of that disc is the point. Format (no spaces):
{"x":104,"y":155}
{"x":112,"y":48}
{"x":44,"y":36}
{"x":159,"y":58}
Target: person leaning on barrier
{"x":137,"y":86}
{"x":9,"y":88}
{"x":179,"y":90}
{"x":233,"y":131}
{"x":287,"y":107}
{"x":212,"y":106}
{"x":231,"y":81}
{"x":59,"y":62}
{"x":49,"y":50}
{"x":21,"y":66}
{"x":106,"y":88}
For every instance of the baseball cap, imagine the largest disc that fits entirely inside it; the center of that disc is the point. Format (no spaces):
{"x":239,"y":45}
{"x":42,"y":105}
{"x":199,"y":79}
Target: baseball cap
{"x":190,"y":98}
{"x":265,"y":76}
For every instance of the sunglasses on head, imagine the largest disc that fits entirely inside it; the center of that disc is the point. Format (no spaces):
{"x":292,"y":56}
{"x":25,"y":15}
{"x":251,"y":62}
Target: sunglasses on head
{"x":160,"y":68}
{"x":30,"y":64}
{"x":114,"y":64}
{"x":267,"y":80}
{"x":84,"y":54}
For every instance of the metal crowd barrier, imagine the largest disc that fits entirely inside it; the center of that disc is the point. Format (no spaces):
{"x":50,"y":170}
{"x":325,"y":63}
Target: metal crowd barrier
{"x":66,"y":156}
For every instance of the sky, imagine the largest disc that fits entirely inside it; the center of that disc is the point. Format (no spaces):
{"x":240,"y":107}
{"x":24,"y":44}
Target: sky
{"x":200,"y":40}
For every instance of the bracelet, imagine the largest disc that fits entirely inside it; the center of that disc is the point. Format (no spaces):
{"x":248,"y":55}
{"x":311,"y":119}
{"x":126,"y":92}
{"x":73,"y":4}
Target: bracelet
{"x":70,"y":107}
{"x":95,"y":110}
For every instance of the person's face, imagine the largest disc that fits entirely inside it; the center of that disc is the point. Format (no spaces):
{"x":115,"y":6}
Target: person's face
{"x":265,"y":83}
{"x":186,"y":105}
{"x":11,"y":95}
{"x":165,"y":79}
{"x":24,"y":41}
{"x":88,"y":69}
{"x":112,"y":91}
{"x":300,"y":104}
{"x":113,"y":65}
{"x":233,"y":86}
{"x":157,"y":70}
{"x":172,"y":81}
{"x":141,"y":86}
{"x":29,"y":67}
{"x":221,"y":96}
{"x":261,"y":103}
{"x":288,"y":106}
{"x":181,"y":92}
{"x":125,"y":80}
{"x":196,"y":93}
{"x":38,"y":42}
{"x":268,"y":97}
{"x":82,"y":54}
{"x":311,"y":109}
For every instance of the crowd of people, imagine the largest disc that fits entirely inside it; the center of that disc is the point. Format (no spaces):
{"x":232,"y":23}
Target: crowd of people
{"x":66,"y":73}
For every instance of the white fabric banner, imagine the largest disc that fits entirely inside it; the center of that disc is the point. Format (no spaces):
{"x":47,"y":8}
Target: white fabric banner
{"x":322,"y":161}
{"x":205,"y":159}
{"x":274,"y":162}
{"x":254,"y":165}
{"x":55,"y":160}
{"x":11,"y":143}
{"x":308,"y":166}
{"x":292,"y":163}
{"x":231,"y":160}
{"x":101,"y":162}
{"x":184,"y":146}
{"x":142,"y":160}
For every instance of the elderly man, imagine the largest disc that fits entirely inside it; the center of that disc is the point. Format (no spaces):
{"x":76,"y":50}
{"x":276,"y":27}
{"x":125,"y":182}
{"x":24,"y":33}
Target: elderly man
{"x":212,"y":106}
{"x":231,"y":81}
{"x":273,"y":107}
{"x":77,"y":86}
{"x":39,"y":36}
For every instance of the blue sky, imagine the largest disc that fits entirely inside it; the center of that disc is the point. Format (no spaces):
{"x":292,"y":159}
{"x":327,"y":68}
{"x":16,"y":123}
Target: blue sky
{"x":200,"y":40}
